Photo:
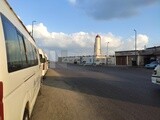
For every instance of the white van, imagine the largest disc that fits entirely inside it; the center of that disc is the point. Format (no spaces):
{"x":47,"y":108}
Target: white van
{"x":156,"y":75}
{"x":19,"y":74}
{"x":47,"y":61}
{"x":44,"y":62}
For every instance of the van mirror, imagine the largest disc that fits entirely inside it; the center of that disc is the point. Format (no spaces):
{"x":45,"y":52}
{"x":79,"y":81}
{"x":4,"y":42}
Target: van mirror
{"x":42,"y":60}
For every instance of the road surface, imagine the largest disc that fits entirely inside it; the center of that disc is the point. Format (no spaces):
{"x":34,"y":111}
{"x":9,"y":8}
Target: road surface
{"x":73,"y":92}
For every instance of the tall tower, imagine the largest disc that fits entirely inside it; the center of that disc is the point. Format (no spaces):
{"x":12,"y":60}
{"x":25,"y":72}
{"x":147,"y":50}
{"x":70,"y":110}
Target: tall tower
{"x":97,"y":46}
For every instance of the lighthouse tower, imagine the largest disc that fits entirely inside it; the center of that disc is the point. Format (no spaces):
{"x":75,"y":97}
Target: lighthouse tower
{"x":97,"y":46}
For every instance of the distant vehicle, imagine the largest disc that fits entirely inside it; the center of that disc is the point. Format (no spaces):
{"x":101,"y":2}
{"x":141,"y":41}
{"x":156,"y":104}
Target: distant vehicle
{"x":44,"y":62}
{"x":151,"y":65}
{"x":20,"y":77}
{"x":156,"y":75}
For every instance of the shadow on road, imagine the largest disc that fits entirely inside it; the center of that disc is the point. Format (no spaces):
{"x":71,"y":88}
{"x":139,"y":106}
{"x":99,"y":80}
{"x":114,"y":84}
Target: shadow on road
{"x":118,"y":90}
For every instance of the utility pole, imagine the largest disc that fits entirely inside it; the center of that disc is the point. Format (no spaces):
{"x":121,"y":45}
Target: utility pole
{"x":107,"y":48}
{"x":107,"y":54}
{"x":33,"y":26}
{"x":135,"y":46}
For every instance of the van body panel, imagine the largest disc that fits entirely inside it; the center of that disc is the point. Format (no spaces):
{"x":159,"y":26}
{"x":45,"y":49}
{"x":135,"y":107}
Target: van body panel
{"x":44,"y":64}
{"x":21,"y":86}
{"x":156,"y":75}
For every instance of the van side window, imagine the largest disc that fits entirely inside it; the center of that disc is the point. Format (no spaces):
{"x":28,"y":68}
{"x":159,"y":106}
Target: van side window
{"x":31,"y":53}
{"x":23,"y":50}
{"x":12,"y":46}
{"x":35,"y":55}
{"x":20,"y":51}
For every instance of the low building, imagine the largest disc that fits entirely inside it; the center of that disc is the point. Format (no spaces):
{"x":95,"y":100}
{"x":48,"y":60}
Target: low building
{"x":141,"y":57}
{"x":70,"y":59}
{"x":100,"y":60}
{"x":87,"y":60}
{"x":126,"y":57}
{"x":150,"y":54}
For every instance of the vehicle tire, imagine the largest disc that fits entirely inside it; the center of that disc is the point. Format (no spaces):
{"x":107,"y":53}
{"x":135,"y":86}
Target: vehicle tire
{"x":26,"y":115}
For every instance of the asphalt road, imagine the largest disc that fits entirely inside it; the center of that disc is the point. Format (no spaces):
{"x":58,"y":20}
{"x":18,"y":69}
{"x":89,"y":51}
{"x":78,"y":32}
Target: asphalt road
{"x":73,"y":92}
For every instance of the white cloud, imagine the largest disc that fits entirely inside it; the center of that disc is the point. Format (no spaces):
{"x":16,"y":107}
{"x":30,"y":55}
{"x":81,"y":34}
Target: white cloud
{"x":142,"y":40}
{"x":72,"y":1}
{"x":40,"y":30}
{"x":82,"y":43}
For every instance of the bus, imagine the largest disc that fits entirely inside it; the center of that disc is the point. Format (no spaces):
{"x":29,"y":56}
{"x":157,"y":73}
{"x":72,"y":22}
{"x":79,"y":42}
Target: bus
{"x":20,"y":76}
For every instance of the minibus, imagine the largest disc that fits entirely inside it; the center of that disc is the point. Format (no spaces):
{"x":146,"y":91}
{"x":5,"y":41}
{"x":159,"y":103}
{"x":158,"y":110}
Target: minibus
{"x":20,"y":77}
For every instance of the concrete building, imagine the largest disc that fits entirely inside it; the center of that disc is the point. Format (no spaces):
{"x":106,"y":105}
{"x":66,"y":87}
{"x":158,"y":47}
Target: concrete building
{"x":150,"y":54}
{"x":142,"y":57}
{"x":126,"y":57}
{"x":70,"y":59}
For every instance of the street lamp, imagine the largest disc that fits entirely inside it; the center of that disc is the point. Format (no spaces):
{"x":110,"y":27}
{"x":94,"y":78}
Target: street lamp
{"x":135,"y":45}
{"x":107,"y":47}
{"x":107,"y":54}
{"x":33,"y":26}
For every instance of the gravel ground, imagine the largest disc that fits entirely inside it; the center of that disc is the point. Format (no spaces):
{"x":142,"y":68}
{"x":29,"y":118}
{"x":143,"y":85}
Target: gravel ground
{"x":88,"y":93}
{"x":61,"y":104}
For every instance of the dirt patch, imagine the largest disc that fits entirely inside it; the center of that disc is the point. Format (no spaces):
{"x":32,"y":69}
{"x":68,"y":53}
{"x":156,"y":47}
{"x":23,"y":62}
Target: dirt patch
{"x":61,"y":104}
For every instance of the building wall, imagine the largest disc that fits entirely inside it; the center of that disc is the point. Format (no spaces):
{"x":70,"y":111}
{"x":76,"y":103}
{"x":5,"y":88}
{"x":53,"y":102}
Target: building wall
{"x":130,"y":59}
{"x":143,"y":56}
{"x":111,"y":60}
{"x":121,"y":60}
{"x":141,"y":60}
{"x":87,"y":60}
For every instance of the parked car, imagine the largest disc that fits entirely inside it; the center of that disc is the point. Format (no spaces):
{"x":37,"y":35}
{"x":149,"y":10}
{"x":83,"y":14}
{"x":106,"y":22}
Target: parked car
{"x":151,"y":65}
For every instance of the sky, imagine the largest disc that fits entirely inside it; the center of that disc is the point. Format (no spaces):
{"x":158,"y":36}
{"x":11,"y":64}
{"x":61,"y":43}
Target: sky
{"x":73,"y":24}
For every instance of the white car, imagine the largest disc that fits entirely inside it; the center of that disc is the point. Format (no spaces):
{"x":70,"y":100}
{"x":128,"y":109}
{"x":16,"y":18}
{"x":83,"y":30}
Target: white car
{"x":156,"y":75}
{"x":151,"y":65}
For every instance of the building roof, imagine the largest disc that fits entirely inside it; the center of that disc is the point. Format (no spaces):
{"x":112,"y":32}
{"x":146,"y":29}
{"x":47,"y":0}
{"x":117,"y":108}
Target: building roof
{"x":148,"y":51}
{"x":153,"y":47}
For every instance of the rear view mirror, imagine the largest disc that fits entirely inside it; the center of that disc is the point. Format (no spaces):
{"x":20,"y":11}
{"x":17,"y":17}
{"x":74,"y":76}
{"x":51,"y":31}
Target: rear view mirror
{"x":42,"y":60}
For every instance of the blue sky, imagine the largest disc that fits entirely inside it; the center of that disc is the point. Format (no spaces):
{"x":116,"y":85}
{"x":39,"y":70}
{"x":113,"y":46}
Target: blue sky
{"x":78,"y":21}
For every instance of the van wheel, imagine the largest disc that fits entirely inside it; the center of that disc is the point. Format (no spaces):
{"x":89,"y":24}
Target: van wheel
{"x":26,"y":115}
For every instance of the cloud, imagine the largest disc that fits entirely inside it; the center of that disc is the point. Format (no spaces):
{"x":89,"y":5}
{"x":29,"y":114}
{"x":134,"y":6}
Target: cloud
{"x":72,"y":1}
{"x":142,"y":40}
{"x":111,"y":9}
{"x":82,"y":43}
